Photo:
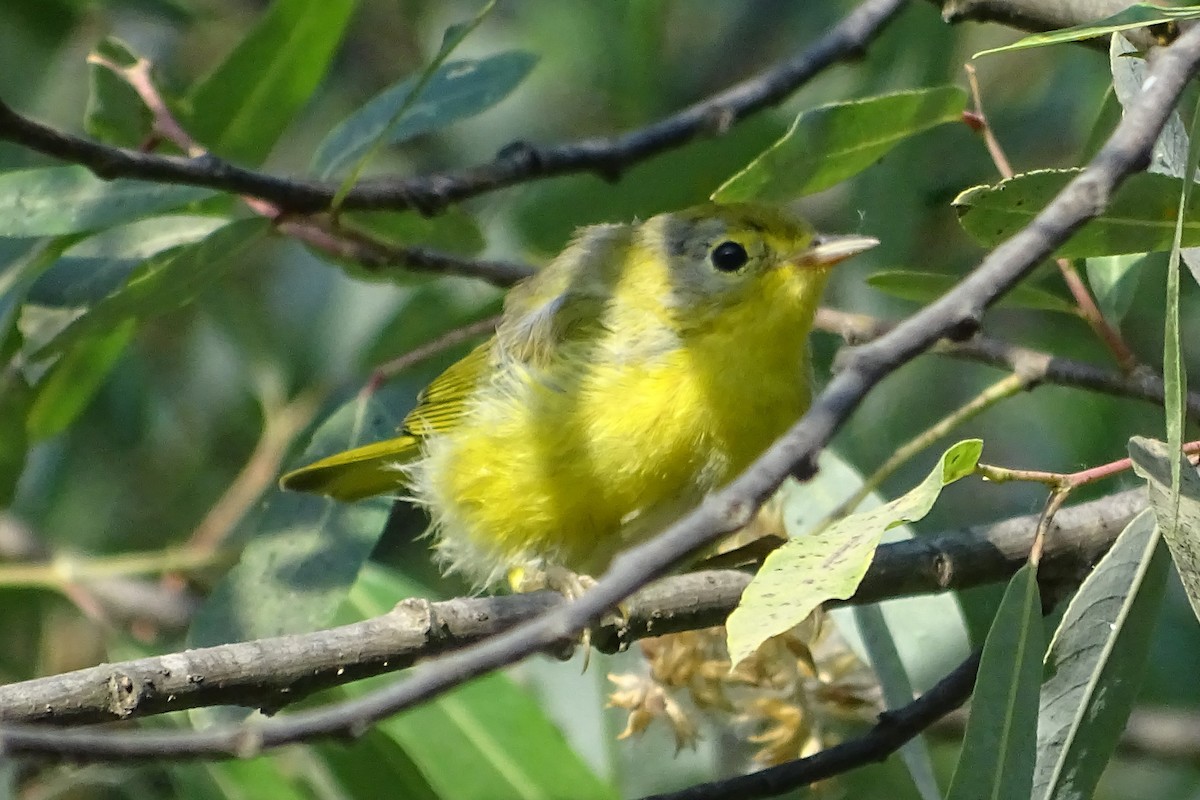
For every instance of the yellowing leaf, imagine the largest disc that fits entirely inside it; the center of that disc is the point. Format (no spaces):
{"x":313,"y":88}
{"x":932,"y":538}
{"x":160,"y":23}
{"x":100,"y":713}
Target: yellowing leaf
{"x":1179,"y":523}
{"x":829,"y":564}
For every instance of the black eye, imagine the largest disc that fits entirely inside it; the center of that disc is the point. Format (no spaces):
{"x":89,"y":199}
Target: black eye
{"x":729,"y":256}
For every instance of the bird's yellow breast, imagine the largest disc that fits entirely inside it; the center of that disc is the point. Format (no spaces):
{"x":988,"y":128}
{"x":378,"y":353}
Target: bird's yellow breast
{"x":573,"y":462}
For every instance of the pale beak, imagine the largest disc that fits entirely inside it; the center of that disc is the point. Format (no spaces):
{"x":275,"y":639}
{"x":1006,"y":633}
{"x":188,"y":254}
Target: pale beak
{"x":827,"y":250}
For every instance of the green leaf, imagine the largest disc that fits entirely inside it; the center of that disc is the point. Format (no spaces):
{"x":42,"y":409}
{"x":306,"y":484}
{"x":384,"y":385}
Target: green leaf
{"x":486,"y":740}
{"x":828,"y":144}
{"x":305,"y":552}
{"x":454,"y":91}
{"x":924,"y":287}
{"x":59,"y":200}
{"x":910,"y":642}
{"x":114,"y":113}
{"x":1174,"y":370}
{"x":1114,"y":282}
{"x":97,"y":266}
{"x":1136,"y":16}
{"x":897,"y":693}
{"x":1179,"y":522}
{"x":451,"y":39}
{"x":236,"y":779}
{"x":1107,"y":118}
{"x":1140,"y":219}
{"x":1095,"y":663}
{"x":997,"y":760}
{"x":69,"y":385}
{"x":376,"y":767}
{"x":806,"y":571}
{"x":240,"y":110}
{"x":16,"y":397}
{"x":1170,"y":153}
{"x":163,"y":286}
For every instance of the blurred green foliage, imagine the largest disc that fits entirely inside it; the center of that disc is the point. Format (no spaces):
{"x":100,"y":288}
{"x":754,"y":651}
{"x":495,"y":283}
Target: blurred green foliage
{"x":131,"y":441}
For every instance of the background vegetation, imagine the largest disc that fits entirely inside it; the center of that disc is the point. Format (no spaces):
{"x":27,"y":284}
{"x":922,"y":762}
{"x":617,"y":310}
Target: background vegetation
{"x":171,"y":421}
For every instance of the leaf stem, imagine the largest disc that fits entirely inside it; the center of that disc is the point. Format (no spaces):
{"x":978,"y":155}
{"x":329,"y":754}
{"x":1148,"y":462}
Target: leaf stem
{"x":63,"y":571}
{"x":1091,"y":313}
{"x":1004,"y":388}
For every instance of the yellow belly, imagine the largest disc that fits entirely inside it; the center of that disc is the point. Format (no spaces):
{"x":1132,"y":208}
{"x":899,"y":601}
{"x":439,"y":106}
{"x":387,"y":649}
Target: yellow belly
{"x":572,"y":467}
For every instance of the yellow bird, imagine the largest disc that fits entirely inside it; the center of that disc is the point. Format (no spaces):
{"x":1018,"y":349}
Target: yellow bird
{"x":646,"y":366}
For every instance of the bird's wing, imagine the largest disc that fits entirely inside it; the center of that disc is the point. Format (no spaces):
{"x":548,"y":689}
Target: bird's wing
{"x":565,"y":302}
{"x":378,"y":468}
{"x":441,"y":404}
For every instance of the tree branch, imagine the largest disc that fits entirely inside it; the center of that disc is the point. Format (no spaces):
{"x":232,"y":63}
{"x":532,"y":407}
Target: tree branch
{"x":1142,"y":384}
{"x":890,"y":733}
{"x":516,"y":163}
{"x":274,"y":672}
{"x":1037,"y":16}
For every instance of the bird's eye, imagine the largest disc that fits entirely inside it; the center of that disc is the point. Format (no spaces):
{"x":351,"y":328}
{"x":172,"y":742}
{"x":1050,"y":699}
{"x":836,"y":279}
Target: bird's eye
{"x":729,"y":256}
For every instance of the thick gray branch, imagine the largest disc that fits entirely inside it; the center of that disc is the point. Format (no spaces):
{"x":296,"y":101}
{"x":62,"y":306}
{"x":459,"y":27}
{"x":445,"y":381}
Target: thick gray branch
{"x":1037,"y":16}
{"x":271,"y":673}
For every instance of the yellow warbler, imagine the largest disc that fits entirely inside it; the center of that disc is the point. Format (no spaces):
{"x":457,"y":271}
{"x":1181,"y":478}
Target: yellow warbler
{"x":647,"y":365}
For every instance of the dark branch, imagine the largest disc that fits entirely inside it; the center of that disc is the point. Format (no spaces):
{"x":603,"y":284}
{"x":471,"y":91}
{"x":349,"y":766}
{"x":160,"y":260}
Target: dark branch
{"x":281,"y":670}
{"x":1037,"y":16}
{"x":516,"y":163}
{"x":1143,"y":384}
{"x":889,"y":735}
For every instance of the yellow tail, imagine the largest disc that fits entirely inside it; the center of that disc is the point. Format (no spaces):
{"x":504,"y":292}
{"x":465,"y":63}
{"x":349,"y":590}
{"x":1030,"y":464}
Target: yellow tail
{"x":362,"y":472}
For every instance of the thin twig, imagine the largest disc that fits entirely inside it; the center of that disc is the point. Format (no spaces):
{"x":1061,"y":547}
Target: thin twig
{"x":319,"y":232}
{"x":1088,"y":309}
{"x":1002,"y":389}
{"x":386,"y":371}
{"x":519,"y":162}
{"x":280,"y":428}
{"x":1066,"y":480}
{"x":1141,"y":385}
{"x":64,"y":571}
{"x":893,"y":730}
{"x":277,"y":671}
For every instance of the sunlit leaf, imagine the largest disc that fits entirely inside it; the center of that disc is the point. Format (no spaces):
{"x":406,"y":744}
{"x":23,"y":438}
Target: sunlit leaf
{"x":829,"y":564}
{"x":454,"y":91}
{"x":997,"y":758}
{"x":60,"y":200}
{"x":828,"y":144}
{"x":910,"y":642}
{"x":1095,"y":663}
